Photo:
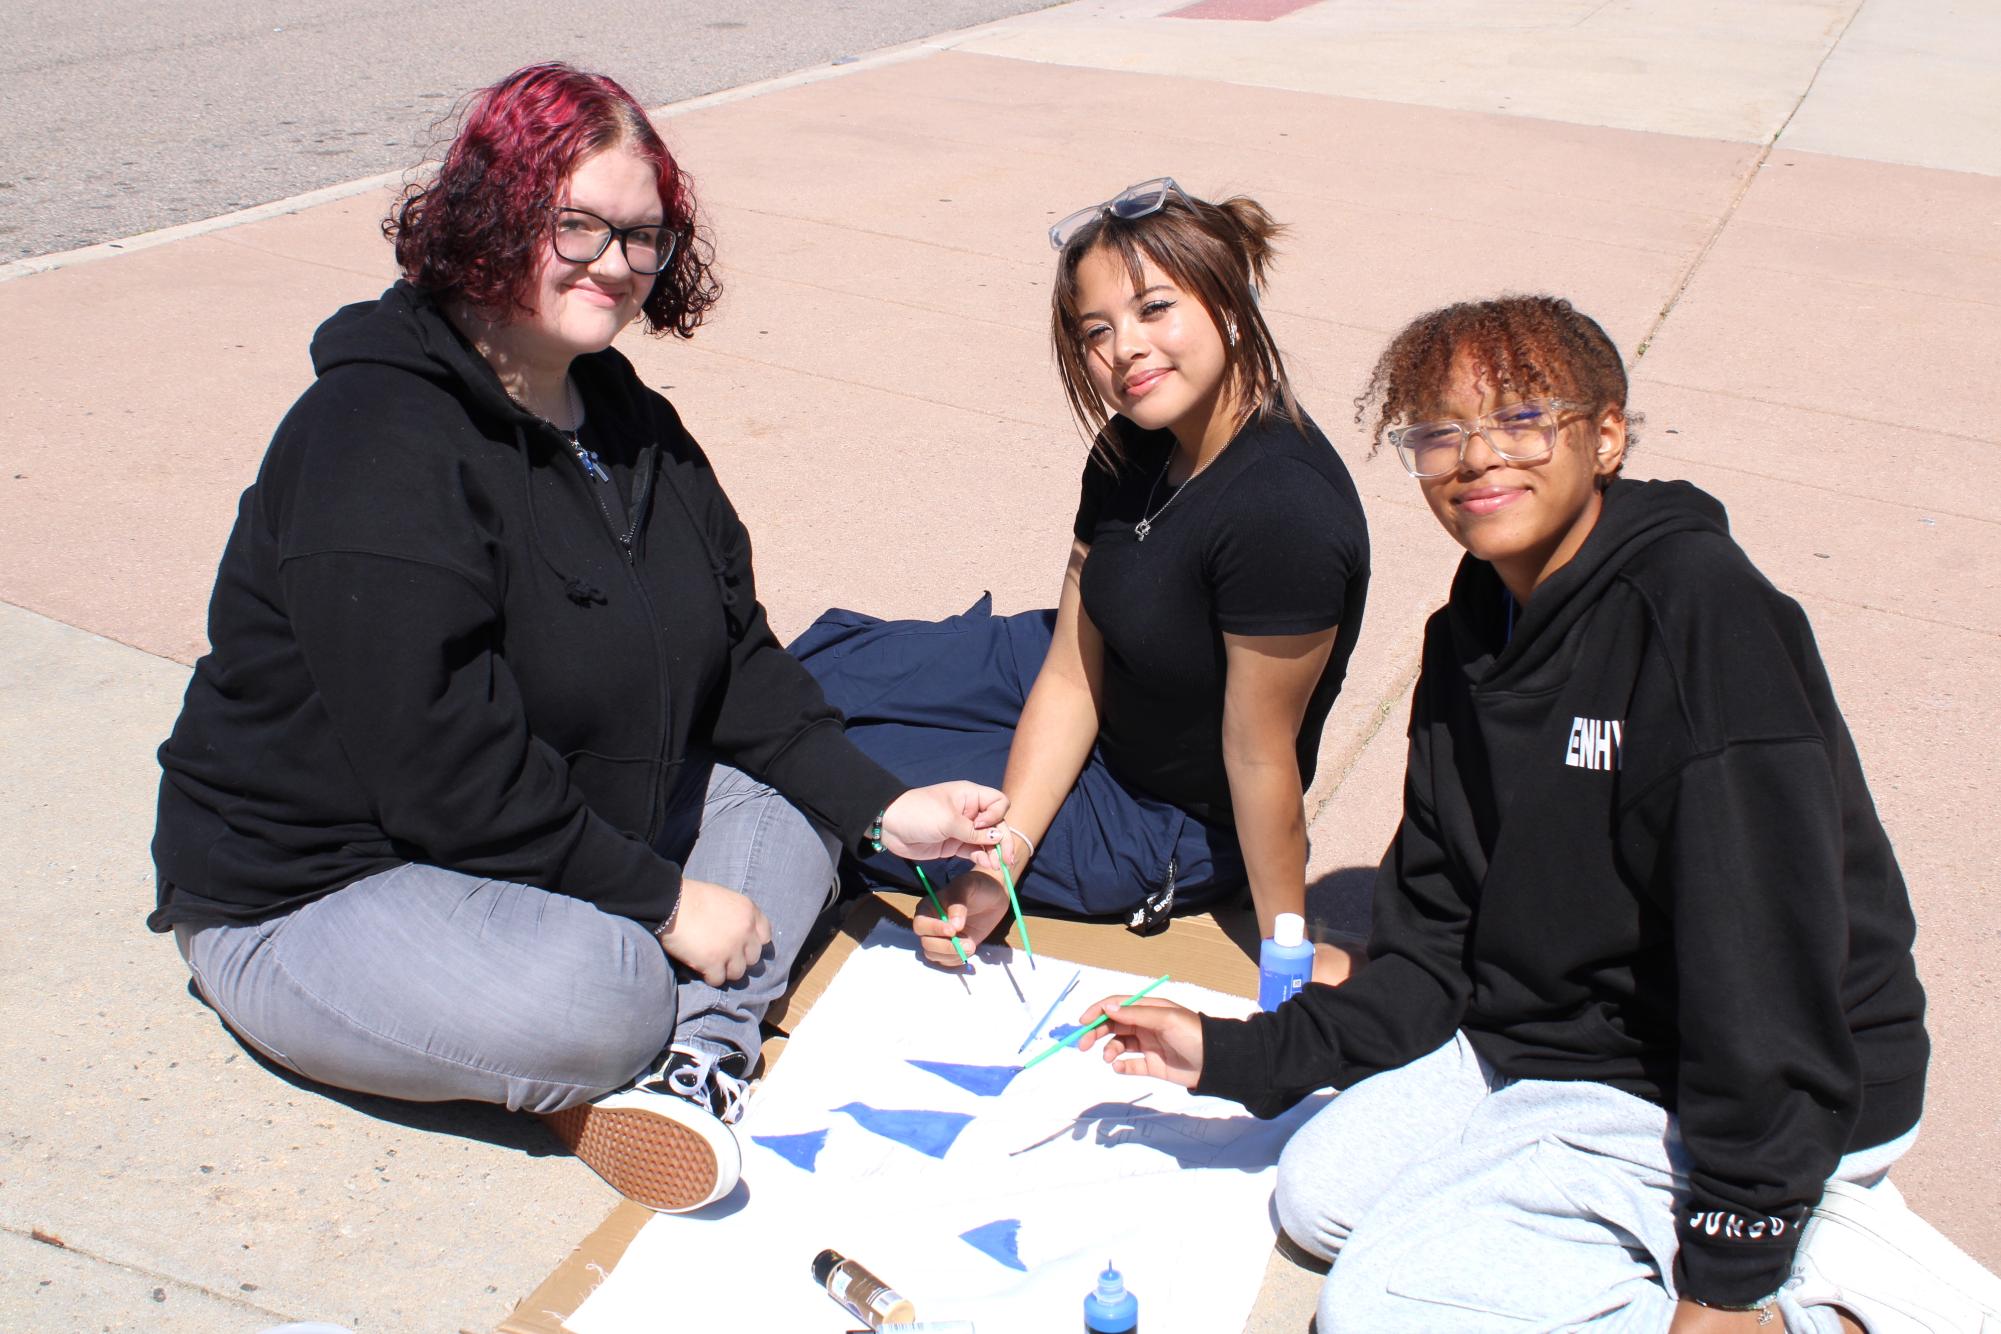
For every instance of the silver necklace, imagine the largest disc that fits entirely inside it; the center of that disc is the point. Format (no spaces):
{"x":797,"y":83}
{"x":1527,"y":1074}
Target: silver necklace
{"x":586,"y":457}
{"x":1145,"y":524}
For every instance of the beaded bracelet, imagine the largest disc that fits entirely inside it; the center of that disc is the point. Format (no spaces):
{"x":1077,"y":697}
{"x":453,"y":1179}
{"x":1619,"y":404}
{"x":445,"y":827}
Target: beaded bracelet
{"x":667,"y":925}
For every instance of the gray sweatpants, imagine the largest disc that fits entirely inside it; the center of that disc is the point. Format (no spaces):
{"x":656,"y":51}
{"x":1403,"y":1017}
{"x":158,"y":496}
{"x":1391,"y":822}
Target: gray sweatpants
{"x":1452,"y":1198}
{"x":426,"y":984}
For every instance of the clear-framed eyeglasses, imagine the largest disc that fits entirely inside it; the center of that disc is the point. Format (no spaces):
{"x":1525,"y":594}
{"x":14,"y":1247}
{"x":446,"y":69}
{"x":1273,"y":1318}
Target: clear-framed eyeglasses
{"x":1135,"y":201}
{"x":581,"y":236}
{"x":1520,"y":433}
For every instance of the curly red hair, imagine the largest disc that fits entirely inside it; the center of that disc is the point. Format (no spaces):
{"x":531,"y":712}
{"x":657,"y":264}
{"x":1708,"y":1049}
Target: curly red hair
{"x":475,"y":230}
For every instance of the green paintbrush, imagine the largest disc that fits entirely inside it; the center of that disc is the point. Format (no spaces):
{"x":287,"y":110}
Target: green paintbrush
{"x":1070,"y":1039}
{"x":925,"y":881}
{"x":1007,"y":878}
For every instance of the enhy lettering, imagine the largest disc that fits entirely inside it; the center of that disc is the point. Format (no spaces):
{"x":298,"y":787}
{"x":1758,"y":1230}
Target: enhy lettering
{"x":1595,"y":743}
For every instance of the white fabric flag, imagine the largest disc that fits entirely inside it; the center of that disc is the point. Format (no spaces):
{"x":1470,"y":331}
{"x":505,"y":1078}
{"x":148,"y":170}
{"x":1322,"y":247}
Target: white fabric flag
{"x":900,"y":1130}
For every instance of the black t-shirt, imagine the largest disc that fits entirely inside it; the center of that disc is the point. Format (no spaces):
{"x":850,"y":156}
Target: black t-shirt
{"x":1269,"y":539}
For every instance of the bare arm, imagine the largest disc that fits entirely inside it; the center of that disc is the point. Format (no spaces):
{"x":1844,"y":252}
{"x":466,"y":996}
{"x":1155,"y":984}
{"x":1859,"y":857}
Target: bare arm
{"x":1059,"y":723}
{"x":1268,"y":681}
{"x":1058,"y":726}
{"x":1690,"y":1318}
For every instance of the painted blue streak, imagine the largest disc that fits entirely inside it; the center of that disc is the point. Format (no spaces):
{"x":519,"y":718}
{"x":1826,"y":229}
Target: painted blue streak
{"x":1062,"y":1031}
{"x":985,"y":1080}
{"x":924,"y":1131}
{"x":799,"y":1150}
{"x":1000,"y":1239}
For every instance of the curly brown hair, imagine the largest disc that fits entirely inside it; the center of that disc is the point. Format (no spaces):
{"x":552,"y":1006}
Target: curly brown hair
{"x":1533,"y":345}
{"x":476,"y":229}
{"x":1219,"y":253}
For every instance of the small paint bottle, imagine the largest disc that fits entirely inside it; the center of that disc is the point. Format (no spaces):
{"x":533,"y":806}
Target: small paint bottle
{"x":1285,"y":962}
{"x":1109,"y":1308}
{"x":861,"y":1293}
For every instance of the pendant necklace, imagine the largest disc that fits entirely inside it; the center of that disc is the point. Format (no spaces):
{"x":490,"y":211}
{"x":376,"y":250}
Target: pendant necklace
{"x":1145,"y":524}
{"x":586,"y":457}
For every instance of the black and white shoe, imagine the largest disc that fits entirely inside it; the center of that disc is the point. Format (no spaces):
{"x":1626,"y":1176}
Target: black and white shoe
{"x":711,"y":1080}
{"x":665,"y":1141}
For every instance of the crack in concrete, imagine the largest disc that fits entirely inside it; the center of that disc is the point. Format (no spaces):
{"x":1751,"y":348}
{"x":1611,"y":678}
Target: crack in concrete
{"x":1385,"y":706}
{"x":1750,"y":179}
{"x":151,"y":1275}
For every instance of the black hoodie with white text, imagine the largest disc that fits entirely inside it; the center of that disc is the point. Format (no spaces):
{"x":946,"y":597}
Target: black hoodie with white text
{"x":1637,"y":848}
{"x":435,"y":637}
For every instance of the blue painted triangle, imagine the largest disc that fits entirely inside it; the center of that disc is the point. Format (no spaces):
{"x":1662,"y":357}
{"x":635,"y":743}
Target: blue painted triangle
{"x":799,"y":1150}
{"x":924,"y":1131}
{"x":1000,"y":1239}
{"x":985,"y":1080}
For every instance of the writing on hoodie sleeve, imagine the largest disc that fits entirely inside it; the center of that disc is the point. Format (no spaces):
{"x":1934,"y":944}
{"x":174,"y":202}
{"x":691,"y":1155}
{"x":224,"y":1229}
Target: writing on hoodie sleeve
{"x":432,"y":721}
{"x":1769,"y":1079}
{"x":1408,"y":1000}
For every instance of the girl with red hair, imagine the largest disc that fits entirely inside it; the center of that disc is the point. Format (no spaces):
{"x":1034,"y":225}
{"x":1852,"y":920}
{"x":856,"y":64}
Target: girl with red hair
{"x":495,"y":784}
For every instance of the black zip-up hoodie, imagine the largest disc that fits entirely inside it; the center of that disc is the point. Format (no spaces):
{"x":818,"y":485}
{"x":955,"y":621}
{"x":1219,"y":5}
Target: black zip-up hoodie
{"x":1637,"y":848}
{"x":433,"y":640}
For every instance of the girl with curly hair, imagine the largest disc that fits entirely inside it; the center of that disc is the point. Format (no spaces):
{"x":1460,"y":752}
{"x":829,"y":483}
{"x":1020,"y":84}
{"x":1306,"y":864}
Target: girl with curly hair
{"x":495,"y":784}
{"x":1640,"y":1033}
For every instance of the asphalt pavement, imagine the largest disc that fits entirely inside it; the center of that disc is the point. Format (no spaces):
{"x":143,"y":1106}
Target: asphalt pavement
{"x":118,"y":118}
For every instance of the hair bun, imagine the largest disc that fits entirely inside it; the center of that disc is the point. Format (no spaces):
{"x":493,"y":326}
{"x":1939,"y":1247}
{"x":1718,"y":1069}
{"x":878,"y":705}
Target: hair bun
{"x":1257,"y":233}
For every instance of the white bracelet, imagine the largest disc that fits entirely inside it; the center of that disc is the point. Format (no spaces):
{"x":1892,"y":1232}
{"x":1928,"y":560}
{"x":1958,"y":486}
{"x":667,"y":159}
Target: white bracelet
{"x":1023,"y":837}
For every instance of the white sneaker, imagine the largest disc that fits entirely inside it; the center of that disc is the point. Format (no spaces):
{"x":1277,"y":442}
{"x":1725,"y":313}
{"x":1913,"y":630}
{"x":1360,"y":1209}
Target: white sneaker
{"x":1866,"y":1252}
{"x":658,"y":1148}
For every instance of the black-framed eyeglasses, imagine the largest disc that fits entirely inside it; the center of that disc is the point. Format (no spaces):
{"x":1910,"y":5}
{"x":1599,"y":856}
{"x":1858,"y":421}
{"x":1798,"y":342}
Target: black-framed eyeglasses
{"x":1135,"y":201}
{"x":1520,"y":434}
{"x":581,"y":236}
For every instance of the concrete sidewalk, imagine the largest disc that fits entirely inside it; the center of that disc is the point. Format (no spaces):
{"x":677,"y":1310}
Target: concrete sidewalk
{"x":1784,"y":214}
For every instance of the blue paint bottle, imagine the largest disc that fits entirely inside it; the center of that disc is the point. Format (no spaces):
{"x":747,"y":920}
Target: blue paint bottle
{"x":1285,"y":962}
{"x":1109,"y":1308}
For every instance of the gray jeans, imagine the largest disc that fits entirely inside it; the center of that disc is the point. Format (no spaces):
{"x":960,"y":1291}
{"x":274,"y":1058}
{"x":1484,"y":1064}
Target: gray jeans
{"x":427,"y":984}
{"x":1450,"y":1197}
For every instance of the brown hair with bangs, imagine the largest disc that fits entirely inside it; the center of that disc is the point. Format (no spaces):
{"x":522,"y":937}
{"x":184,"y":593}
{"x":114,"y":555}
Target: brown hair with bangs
{"x":1219,"y":254}
{"x":1531,"y":344}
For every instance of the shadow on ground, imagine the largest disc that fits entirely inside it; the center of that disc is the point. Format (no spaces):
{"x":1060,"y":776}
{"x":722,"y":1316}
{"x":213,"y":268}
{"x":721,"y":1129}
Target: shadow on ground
{"x":486,"y":1122}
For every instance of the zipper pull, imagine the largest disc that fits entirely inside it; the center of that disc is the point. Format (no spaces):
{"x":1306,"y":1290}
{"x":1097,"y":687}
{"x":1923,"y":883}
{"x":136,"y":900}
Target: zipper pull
{"x":587,"y":459}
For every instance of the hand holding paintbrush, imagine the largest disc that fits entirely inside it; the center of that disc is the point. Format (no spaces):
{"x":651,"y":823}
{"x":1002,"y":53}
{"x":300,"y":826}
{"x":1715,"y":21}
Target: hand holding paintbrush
{"x":1144,"y":1036}
{"x":968,"y":909}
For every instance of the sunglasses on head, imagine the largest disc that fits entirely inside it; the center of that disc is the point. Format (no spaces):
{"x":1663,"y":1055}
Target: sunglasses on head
{"x":1135,"y":201}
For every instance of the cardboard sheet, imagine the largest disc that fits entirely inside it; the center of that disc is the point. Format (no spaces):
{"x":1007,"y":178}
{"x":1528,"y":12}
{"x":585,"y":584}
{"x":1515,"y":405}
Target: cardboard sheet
{"x":899,"y":1131}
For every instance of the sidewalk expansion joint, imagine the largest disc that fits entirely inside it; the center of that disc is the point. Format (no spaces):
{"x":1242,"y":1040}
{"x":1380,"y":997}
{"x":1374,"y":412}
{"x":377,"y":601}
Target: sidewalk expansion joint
{"x":1384,"y":708}
{"x":45,"y":1238}
{"x":1750,"y":179}
{"x":98,"y":634}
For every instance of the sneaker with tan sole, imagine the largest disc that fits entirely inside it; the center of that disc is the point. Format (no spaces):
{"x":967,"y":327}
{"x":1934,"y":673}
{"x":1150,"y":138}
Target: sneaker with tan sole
{"x":659,"y":1143}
